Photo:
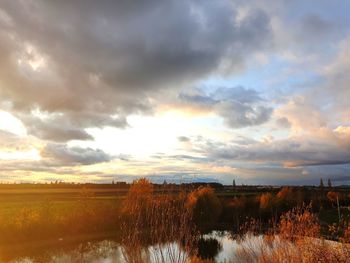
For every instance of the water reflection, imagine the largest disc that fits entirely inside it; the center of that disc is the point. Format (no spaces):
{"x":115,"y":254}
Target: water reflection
{"x":96,"y":252}
{"x":217,"y":246}
{"x":208,"y":248}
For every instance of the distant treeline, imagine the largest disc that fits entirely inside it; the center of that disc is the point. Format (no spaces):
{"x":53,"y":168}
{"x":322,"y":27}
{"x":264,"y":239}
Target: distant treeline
{"x":165,"y":185}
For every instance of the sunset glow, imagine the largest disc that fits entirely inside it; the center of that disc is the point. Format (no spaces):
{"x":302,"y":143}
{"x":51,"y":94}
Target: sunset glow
{"x":255,"y":91}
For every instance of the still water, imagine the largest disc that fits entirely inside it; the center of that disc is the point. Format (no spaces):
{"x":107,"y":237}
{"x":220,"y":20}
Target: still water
{"x":217,"y":246}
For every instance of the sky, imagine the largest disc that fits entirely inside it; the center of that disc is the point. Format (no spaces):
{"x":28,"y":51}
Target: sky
{"x":177,"y":90}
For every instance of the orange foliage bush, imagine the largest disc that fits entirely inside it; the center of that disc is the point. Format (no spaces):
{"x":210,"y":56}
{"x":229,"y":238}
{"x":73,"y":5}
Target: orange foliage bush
{"x":163,"y":221}
{"x":297,"y":240}
{"x":284,"y":193}
{"x":205,"y":205}
{"x":266,"y":201}
{"x":299,"y":222}
{"x":238,"y":203}
{"x":332,"y":196}
{"x":140,"y":194}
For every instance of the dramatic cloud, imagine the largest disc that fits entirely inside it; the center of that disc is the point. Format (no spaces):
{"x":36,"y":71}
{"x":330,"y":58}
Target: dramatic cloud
{"x":10,"y":142}
{"x":337,"y":76}
{"x":112,"y":57}
{"x":61,"y":154}
{"x":239,"y":107}
{"x":61,"y":128}
{"x":301,"y":115}
{"x":237,"y":114}
{"x":256,"y":90}
{"x":325,"y":147}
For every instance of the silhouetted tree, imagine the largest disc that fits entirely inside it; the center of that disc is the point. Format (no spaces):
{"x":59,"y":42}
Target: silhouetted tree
{"x":321,"y":183}
{"x":329,"y":183}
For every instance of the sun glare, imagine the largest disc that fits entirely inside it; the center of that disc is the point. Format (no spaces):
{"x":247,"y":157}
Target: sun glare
{"x":32,"y":58}
{"x":31,"y":155}
{"x":10,"y":123}
{"x":146,"y":136}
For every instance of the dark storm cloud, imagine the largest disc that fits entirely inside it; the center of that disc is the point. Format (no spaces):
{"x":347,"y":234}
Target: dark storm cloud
{"x":54,"y":132}
{"x":67,"y":156}
{"x":292,"y":152}
{"x":112,"y":57}
{"x":238,"y":106}
{"x":61,"y":128}
{"x":238,"y":115}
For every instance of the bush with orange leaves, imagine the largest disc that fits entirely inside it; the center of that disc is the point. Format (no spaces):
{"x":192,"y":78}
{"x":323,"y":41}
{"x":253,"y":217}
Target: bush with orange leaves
{"x":139,"y":196}
{"x":285,"y":198}
{"x":301,"y":227}
{"x":299,"y":222}
{"x":346,"y":236}
{"x":333,"y":196}
{"x":205,"y":205}
{"x":162,"y":221}
{"x":266,"y":201}
{"x":297,"y":239}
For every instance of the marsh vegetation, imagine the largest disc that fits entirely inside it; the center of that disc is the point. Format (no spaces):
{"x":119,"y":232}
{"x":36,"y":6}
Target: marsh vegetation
{"x":152,"y":223}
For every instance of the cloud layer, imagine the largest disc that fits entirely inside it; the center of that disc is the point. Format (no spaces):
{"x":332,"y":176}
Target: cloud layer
{"x":238,"y":106}
{"x":255,"y":90}
{"x":112,"y":57}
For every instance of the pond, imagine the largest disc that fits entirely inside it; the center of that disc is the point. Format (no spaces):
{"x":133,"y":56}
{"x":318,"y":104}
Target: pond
{"x":217,"y":246}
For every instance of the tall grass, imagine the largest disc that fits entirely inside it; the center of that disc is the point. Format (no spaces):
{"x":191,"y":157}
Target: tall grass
{"x":164,"y":227}
{"x":157,"y":228}
{"x":297,"y":238}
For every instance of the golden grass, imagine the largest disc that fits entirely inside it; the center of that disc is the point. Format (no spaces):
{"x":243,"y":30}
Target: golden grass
{"x":164,"y":222}
{"x":296,"y":239}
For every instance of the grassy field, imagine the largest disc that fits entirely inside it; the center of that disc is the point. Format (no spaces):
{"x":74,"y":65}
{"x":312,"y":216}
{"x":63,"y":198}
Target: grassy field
{"x":37,"y":216}
{"x":86,"y":209}
{"x":59,"y":201}
{"x":63,"y":199}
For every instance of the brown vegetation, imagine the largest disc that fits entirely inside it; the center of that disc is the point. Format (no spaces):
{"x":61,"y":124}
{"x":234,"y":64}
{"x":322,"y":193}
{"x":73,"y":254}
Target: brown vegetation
{"x":165,"y":226}
{"x":44,"y":222}
{"x":164,"y":222}
{"x":297,"y":239}
{"x":205,"y":206}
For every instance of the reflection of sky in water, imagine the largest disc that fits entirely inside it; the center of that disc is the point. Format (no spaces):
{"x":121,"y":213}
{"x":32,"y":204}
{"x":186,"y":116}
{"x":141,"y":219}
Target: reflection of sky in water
{"x":229,"y":245}
{"x":110,"y":251}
